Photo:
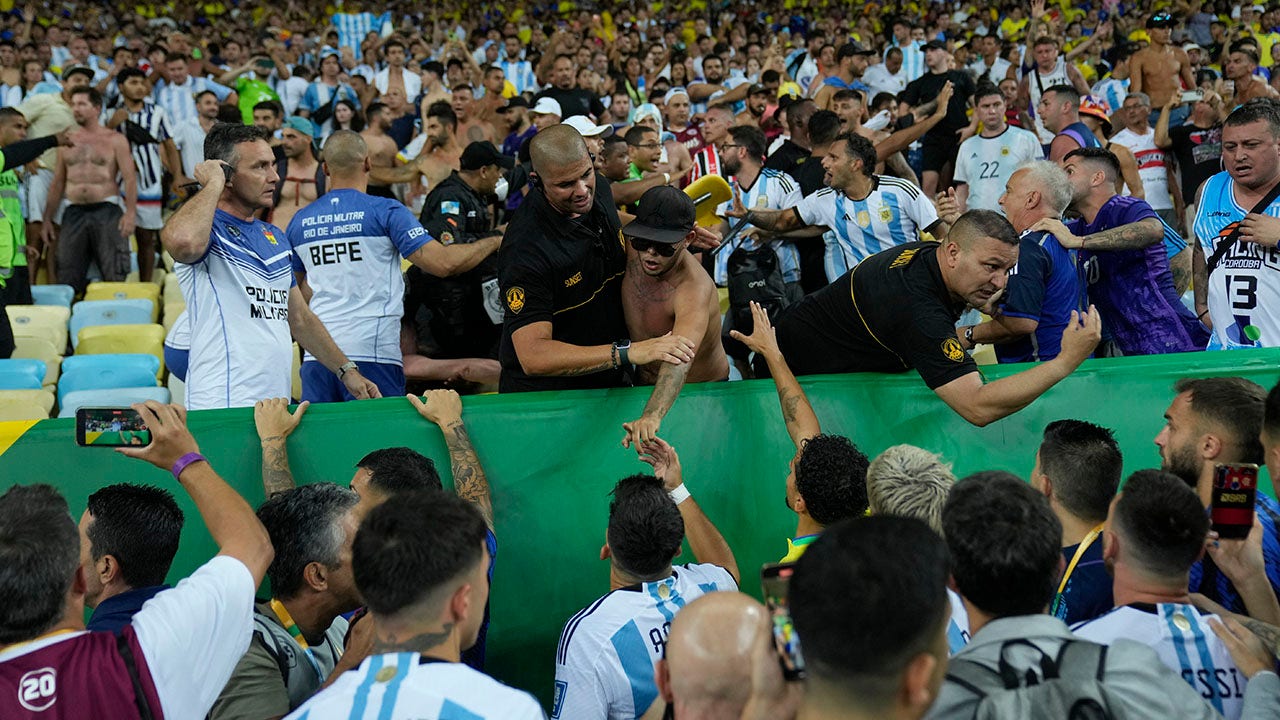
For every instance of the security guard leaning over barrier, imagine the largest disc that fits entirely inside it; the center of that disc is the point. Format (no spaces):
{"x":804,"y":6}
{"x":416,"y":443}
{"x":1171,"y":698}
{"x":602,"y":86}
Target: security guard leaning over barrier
{"x":465,"y":315}
{"x":897,"y":310}
{"x":560,"y":274}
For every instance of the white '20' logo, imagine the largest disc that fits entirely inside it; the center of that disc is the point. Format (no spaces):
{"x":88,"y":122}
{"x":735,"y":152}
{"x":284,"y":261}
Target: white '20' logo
{"x":37,"y":690}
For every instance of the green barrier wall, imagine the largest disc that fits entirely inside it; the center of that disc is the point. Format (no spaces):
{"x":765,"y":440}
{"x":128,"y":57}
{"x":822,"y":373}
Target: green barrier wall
{"x":552,"y":459}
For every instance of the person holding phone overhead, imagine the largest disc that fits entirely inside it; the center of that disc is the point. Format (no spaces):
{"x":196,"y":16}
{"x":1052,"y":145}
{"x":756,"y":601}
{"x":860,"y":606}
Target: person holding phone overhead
{"x":243,"y":302}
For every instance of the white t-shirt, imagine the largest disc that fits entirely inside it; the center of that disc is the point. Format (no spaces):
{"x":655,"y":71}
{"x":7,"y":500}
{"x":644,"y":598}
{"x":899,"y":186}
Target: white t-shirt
{"x":1151,"y":166}
{"x":608,"y":651}
{"x":985,"y":164}
{"x":895,"y":213}
{"x":773,"y":190}
{"x":1184,"y":642}
{"x":880,"y":80}
{"x":191,"y":636}
{"x":398,"y":686}
{"x":349,"y":245}
{"x":189,"y":137}
{"x":1037,"y":82}
{"x":412,"y":83}
{"x":997,"y":71}
{"x":238,"y":304}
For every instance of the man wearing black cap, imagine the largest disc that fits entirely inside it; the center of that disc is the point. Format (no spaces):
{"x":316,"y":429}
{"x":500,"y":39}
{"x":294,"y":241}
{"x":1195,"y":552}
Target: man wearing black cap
{"x":757,"y":102}
{"x":515,"y":119}
{"x":851,"y":61}
{"x":1157,"y":69}
{"x":666,"y":291}
{"x":456,"y":212}
{"x":941,"y":143}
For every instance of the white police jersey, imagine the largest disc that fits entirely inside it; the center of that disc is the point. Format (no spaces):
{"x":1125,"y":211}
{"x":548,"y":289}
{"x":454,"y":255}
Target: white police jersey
{"x":772,"y":190}
{"x":985,"y":164}
{"x":1184,"y":642}
{"x":349,"y":245}
{"x":608,"y":651}
{"x":894,"y":213}
{"x":237,"y":298}
{"x":1244,"y":290}
{"x":404,"y":686}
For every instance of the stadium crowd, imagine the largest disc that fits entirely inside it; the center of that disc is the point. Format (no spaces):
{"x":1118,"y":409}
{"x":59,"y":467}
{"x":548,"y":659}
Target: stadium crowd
{"x":568,"y":196}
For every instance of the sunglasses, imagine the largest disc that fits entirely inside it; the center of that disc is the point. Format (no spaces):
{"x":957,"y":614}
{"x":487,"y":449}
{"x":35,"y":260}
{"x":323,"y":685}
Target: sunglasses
{"x":663,"y":249}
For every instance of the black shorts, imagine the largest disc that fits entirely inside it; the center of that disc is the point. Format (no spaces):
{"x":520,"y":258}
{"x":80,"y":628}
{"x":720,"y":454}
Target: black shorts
{"x":936,"y":153}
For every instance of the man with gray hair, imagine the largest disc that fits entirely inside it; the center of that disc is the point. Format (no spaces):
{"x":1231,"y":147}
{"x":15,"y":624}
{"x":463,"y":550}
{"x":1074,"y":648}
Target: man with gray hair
{"x":298,"y":633}
{"x":909,"y":481}
{"x":1043,"y":289}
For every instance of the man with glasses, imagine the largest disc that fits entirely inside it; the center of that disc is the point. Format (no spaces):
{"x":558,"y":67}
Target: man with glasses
{"x":666,"y":292}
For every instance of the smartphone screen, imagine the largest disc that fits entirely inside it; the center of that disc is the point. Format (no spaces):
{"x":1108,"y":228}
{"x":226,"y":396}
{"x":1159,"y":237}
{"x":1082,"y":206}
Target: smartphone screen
{"x":1235,"y":488}
{"x":111,"y":427}
{"x":774,"y":579}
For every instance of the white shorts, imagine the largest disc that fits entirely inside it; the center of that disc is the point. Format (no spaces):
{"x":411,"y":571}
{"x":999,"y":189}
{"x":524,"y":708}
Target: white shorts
{"x":35,"y":193}
{"x":149,"y":215}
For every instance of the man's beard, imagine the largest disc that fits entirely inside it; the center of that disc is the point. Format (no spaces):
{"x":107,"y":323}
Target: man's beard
{"x":1183,"y":463}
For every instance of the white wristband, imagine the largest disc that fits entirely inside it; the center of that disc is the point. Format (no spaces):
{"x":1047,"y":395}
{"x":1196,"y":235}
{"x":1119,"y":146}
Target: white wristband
{"x":666,"y":178}
{"x":680,"y":494}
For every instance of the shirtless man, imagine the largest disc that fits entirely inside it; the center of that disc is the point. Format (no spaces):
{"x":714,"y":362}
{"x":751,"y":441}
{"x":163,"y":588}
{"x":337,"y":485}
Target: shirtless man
{"x":1239,"y":68}
{"x":1157,"y":69}
{"x":487,"y":107}
{"x":434,"y":155}
{"x":757,"y":103}
{"x":298,"y":185}
{"x":666,"y":291}
{"x":93,"y":222}
{"x":470,"y":127}
{"x":382,"y":149}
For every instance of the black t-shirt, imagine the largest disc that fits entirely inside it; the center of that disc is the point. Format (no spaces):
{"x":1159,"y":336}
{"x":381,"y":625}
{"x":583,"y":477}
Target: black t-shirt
{"x":567,"y":272}
{"x":927,"y":86}
{"x":1199,"y":154}
{"x":891,"y":313}
{"x":574,"y":101}
{"x":788,"y":158}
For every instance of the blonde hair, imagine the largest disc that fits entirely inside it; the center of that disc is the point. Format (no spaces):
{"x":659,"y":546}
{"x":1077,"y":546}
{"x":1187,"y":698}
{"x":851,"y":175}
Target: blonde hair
{"x":908,"y":481}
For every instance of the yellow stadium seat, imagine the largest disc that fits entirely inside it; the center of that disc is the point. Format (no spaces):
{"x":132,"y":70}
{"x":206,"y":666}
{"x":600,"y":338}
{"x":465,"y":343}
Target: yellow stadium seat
{"x":40,"y":348}
{"x":46,"y":321}
{"x":11,"y":410}
{"x":41,"y":398}
{"x":102,"y":339}
{"x":171,"y":312}
{"x":167,"y":259}
{"x":296,"y":388}
{"x":126,"y":291}
{"x":172,"y":290}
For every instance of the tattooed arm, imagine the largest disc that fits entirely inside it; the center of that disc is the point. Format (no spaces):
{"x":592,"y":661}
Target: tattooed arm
{"x":797,"y":413}
{"x":444,"y":408}
{"x":275,"y":424}
{"x":1131,"y":236}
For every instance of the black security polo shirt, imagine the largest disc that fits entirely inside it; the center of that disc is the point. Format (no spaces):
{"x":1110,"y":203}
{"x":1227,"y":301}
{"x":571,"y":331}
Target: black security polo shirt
{"x":567,"y":272}
{"x":890,"y":313}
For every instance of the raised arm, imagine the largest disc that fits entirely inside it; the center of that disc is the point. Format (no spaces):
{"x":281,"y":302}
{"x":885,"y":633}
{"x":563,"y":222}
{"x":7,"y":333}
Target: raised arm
{"x":275,"y":423}
{"x":797,"y":413}
{"x":901,"y":139}
{"x":444,"y":408}
{"x":186,"y":235}
{"x":705,"y":540}
{"x":232,"y":523}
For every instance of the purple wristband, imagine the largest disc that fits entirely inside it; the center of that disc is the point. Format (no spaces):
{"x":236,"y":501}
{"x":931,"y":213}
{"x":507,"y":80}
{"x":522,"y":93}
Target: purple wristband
{"x":185,"y":461}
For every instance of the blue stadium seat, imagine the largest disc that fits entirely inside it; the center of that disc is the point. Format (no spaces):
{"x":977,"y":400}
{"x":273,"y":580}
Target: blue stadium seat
{"x":112,"y":361}
{"x":22,"y":374}
{"x":104,"y":378}
{"x":53,"y":295}
{"x":114,"y":397}
{"x":88,"y":313}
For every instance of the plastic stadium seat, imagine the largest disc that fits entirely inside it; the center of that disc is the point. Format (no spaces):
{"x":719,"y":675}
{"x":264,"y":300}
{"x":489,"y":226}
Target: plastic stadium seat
{"x":53,"y":295}
{"x":116,"y":397}
{"x":172,"y":290}
{"x":46,"y":321}
{"x":11,"y":410}
{"x":177,"y":390}
{"x":43,"y":398}
{"x":104,"y":378}
{"x":172,"y":311}
{"x":295,"y":386}
{"x":142,"y":361}
{"x":157,"y":277}
{"x":38,"y":348}
{"x":108,"y":312}
{"x":112,"y":339}
{"x":21,"y":374}
{"x":125,"y":291}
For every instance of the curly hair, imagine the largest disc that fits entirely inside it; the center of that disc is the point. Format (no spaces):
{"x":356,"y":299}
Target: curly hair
{"x":831,"y":476}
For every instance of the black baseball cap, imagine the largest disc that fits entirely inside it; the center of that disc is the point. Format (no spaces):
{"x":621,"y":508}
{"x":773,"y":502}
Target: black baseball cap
{"x":852,"y":48}
{"x":482,"y":153}
{"x":1161,"y":20}
{"x":757,"y":89}
{"x":935,"y":45}
{"x":515,"y":102}
{"x":664,"y":215}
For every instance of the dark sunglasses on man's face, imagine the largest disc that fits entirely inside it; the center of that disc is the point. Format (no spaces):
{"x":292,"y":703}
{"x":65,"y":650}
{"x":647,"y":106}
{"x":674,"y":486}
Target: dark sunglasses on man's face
{"x":663,"y":249}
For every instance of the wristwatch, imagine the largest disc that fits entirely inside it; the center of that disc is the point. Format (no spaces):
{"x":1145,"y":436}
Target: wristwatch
{"x":623,"y":346}
{"x":345,"y":368}
{"x":968,"y":336}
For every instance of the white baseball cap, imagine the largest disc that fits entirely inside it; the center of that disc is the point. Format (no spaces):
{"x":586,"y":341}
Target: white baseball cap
{"x":586,"y":128}
{"x":547,"y":106}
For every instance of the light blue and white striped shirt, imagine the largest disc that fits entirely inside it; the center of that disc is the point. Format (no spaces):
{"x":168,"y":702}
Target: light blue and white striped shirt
{"x":773,"y":190}
{"x":520,"y":74}
{"x":179,"y":101}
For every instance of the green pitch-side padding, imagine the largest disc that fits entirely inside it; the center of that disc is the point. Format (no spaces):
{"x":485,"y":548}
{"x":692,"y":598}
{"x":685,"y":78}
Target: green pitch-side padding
{"x":553,"y":457}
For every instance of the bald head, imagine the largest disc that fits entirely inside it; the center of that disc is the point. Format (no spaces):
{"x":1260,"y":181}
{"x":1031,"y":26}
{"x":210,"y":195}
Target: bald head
{"x":709,"y":655}
{"x":556,"y":147}
{"x":344,"y":153}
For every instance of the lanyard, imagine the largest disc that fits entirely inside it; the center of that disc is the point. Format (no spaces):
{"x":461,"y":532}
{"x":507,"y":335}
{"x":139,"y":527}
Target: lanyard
{"x":1075,"y":560}
{"x":295,"y":632}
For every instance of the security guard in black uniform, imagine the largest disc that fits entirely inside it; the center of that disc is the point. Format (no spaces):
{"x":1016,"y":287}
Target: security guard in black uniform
{"x":460,"y":322}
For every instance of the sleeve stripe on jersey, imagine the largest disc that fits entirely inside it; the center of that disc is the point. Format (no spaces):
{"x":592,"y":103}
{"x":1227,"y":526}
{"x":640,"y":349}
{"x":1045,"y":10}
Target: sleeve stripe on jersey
{"x":903,"y":185}
{"x":784,"y":180}
{"x":562,"y":653}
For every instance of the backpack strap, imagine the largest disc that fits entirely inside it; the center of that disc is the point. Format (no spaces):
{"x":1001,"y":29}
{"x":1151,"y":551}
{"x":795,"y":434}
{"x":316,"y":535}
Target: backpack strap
{"x":1014,"y":679}
{"x":270,"y":645}
{"x":1082,"y":661}
{"x":974,"y":677}
{"x":131,"y":665}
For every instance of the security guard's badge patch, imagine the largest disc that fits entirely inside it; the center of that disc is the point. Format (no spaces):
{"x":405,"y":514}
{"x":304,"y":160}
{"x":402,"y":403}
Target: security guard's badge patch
{"x":951,"y":348}
{"x":515,"y":300}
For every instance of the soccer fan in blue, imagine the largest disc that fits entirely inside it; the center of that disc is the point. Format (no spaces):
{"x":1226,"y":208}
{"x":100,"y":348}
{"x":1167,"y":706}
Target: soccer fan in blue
{"x":1043,"y":288}
{"x":242,"y":301}
{"x":347,"y":247}
{"x":1212,"y":421}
